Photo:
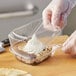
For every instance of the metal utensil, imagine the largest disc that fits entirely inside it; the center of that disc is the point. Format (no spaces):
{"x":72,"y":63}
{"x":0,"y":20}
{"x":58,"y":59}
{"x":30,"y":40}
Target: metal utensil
{"x":4,"y":44}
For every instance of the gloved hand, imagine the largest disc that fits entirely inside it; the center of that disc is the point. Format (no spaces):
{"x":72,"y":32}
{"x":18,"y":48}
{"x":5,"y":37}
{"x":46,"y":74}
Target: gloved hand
{"x":55,"y":14}
{"x":69,"y":45}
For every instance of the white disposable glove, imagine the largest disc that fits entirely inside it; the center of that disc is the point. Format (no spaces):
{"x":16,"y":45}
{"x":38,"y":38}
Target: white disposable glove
{"x":56,"y":13}
{"x":69,"y":45}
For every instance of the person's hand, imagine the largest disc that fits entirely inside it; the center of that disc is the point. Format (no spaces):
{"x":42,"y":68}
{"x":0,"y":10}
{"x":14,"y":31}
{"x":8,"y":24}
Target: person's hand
{"x":55,"y":14}
{"x":69,"y":45}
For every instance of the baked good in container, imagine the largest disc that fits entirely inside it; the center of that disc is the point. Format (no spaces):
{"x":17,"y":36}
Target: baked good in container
{"x":31,"y":57}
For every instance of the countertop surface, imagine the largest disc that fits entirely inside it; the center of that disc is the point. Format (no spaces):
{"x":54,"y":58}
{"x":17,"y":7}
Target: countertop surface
{"x":60,"y":64}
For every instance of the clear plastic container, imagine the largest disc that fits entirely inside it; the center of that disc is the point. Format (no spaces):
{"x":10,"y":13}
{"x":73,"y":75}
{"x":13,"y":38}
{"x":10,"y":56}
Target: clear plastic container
{"x":20,"y":36}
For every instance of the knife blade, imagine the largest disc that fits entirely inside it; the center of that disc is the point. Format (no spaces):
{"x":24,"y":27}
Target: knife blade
{"x":4,"y":44}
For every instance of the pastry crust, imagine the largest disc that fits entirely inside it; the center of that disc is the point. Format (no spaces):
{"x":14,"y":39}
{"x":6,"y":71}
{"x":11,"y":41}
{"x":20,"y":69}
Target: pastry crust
{"x":13,"y":72}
